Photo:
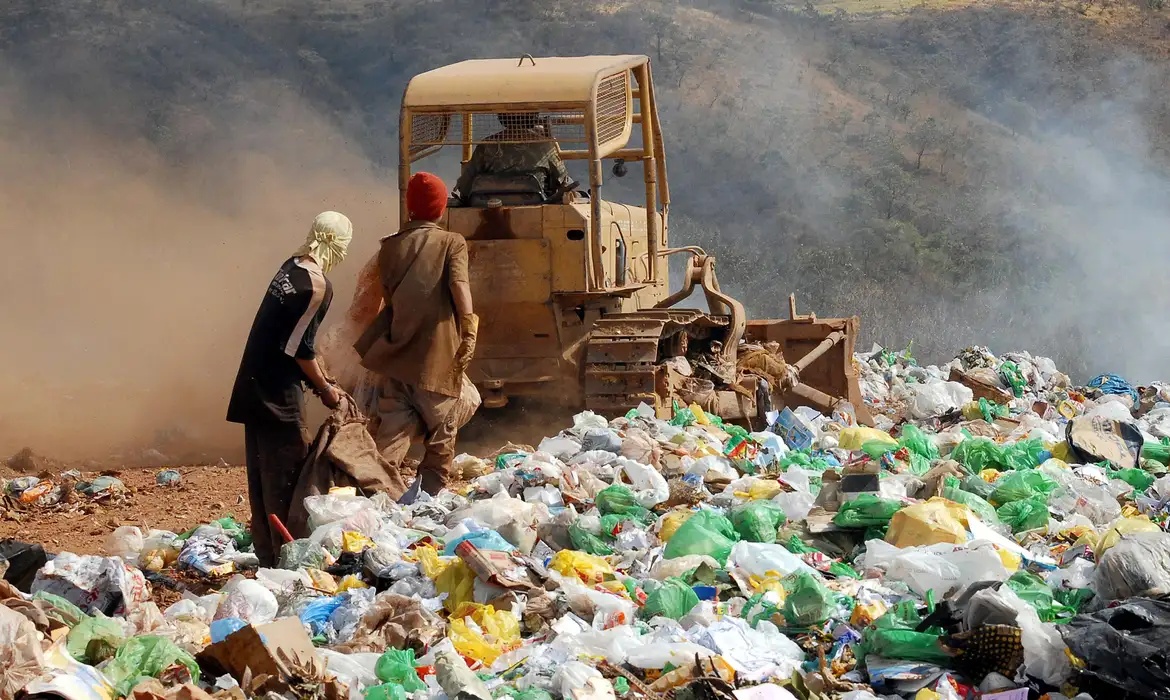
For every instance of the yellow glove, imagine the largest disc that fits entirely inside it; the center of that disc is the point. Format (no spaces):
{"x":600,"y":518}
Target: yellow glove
{"x":468,"y":331}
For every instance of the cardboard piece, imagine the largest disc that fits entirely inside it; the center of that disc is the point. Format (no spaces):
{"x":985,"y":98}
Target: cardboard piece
{"x":281,"y":651}
{"x":980,"y":388}
{"x":497,"y":568}
{"x":792,"y":430}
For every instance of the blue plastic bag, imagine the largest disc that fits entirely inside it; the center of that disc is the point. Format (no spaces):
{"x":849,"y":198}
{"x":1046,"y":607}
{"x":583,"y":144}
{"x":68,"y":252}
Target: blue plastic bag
{"x":482,"y":539}
{"x":317,"y":613}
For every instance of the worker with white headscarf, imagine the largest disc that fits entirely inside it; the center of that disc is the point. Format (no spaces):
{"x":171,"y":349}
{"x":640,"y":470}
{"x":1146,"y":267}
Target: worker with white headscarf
{"x":280,"y":355}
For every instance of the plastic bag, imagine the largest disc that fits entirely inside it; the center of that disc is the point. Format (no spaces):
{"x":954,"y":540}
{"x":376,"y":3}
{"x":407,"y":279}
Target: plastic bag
{"x":1026,"y":514}
{"x":917,"y":442}
{"x":587,"y":567}
{"x":482,"y":539}
{"x":853,"y":438}
{"x":705,"y":532}
{"x":806,"y":602}
{"x":317,"y":613}
{"x":893,"y":636}
{"x":936,"y":520}
{"x":760,"y":559}
{"x":1016,"y":486}
{"x":397,"y":666}
{"x":649,"y":486}
{"x":146,"y":657}
{"x":1138,"y":565}
{"x":1033,"y":591}
{"x":981,"y":508}
{"x":758,"y":521}
{"x":620,"y":500}
{"x":586,"y":541}
{"x":1139,"y":479}
{"x":672,"y":521}
{"x":94,"y":639}
{"x":673,"y":599}
{"x":867,"y":510}
{"x":248,"y":600}
{"x":1125,"y":526}
{"x":936,"y":398}
{"x":493,"y":632}
{"x":976,"y":454}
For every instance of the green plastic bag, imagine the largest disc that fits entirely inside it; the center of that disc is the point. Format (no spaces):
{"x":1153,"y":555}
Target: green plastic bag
{"x":1074,"y":598}
{"x":94,"y":640}
{"x":1027,"y":514}
{"x":673,"y":599}
{"x":803,"y":460}
{"x":867,"y":510}
{"x":981,"y":508}
{"x":991,"y":410}
{"x":146,"y":657}
{"x":620,"y":500}
{"x":507,"y":691}
{"x":758,"y":521}
{"x":587,"y":542}
{"x":976,"y":485}
{"x":1024,"y":454}
{"x":894,"y":636}
{"x":1033,"y":591}
{"x":917,"y":442}
{"x":1139,"y":479}
{"x":705,"y":532}
{"x":1012,"y":375}
{"x":1016,"y":486}
{"x":397,"y":666}
{"x":976,"y":454}
{"x":807,"y":602}
{"x":386,"y":691}
{"x":682,"y":417}
{"x":61,"y":610}
{"x":1157,"y":451}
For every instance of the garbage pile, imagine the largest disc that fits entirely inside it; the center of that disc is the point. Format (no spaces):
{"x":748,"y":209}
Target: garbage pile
{"x":998,"y":533}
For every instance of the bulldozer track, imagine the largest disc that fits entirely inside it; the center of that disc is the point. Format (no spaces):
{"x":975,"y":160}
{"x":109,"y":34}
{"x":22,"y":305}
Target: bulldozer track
{"x":624,"y":355}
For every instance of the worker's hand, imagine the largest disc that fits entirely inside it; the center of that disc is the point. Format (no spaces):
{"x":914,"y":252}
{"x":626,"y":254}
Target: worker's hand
{"x":468,"y":331}
{"x":331,"y":397}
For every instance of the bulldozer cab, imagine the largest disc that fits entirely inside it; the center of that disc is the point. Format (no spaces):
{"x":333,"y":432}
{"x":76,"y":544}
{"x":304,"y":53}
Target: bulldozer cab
{"x":572,"y":288}
{"x":545,"y":264}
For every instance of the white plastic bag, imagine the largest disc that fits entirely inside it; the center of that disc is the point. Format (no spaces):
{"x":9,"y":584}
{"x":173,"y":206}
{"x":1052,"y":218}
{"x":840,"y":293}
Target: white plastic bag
{"x":578,"y":681}
{"x":758,"y":558}
{"x":562,"y":447}
{"x":650,"y":487}
{"x":936,"y":398}
{"x":331,"y":507}
{"x":248,"y":600}
{"x":126,"y":542}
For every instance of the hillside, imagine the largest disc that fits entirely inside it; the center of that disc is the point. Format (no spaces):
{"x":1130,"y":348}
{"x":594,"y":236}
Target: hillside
{"x":955,"y":173}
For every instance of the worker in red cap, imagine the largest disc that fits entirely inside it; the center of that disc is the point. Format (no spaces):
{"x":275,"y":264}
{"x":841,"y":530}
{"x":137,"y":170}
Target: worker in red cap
{"x":423,"y":339}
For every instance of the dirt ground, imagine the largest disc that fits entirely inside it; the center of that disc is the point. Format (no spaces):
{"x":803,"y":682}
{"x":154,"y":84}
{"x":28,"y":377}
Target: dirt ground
{"x":205,"y":493}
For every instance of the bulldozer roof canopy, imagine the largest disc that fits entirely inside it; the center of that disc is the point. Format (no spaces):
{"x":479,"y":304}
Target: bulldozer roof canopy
{"x":504,"y":81}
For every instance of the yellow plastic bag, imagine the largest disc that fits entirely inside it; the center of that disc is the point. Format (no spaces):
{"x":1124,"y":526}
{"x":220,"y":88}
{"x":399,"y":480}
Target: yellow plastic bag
{"x":764,"y":489}
{"x":854,"y":438}
{"x":483,"y":633}
{"x":451,"y":576}
{"x":770,"y":582}
{"x":700,"y":415}
{"x":351,"y":582}
{"x":587,"y":567}
{"x":355,"y":542}
{"x":1063,"y":452}
{"x":322,"y":581}
{"x":672,"y":521}
{"x":989,"y":475}
{"x":429,"y":561}
{"x":864,"y":614}
{"x":1125,"y":526}
{"x":932,"y":522}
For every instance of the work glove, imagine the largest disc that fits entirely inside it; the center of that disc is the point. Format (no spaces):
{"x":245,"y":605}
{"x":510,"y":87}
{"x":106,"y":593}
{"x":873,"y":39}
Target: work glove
{"x":468,"y":331}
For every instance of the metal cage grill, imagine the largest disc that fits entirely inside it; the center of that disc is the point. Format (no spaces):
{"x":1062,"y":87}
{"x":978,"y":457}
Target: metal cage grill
{"x":613,"y":101}
{"x":429,"y":130}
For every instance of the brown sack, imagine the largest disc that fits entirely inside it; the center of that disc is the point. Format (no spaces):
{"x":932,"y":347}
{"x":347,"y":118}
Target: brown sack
{"x":343,"y":454}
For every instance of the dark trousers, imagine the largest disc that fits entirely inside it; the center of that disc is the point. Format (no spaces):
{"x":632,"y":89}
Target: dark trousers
{"x":274,"y":454}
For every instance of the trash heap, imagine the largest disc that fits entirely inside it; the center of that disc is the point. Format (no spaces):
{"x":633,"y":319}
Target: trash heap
{"x":998,"y":533}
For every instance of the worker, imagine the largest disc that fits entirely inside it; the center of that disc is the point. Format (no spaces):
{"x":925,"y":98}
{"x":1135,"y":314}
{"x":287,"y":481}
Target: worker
{"x":424,"y":337}
{"x":522,"y":147}
{"x":268,"y":397}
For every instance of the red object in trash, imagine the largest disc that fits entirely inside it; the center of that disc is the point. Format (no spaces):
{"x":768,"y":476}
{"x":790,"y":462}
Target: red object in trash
{"x":281,"y":530}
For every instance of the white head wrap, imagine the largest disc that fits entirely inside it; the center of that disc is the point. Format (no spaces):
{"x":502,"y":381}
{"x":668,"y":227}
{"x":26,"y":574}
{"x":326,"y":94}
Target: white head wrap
{"x":328,"y":240}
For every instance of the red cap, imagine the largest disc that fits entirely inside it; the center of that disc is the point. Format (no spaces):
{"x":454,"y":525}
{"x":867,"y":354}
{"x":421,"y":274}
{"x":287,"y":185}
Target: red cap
{"x":426,"y":197}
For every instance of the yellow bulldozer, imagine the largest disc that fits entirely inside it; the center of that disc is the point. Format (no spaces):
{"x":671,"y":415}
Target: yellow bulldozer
{"x":572,"y":289}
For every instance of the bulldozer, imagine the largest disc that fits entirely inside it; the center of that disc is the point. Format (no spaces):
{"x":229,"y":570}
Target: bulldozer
{"x":572,"y":289}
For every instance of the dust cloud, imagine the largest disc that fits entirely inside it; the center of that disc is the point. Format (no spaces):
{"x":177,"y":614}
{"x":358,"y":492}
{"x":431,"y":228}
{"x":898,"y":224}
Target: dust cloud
{"x":132,"y":276}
